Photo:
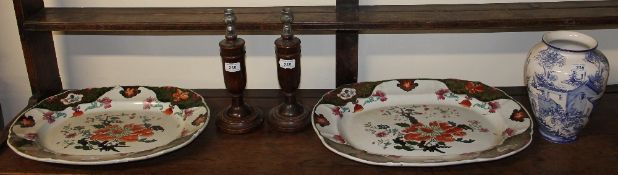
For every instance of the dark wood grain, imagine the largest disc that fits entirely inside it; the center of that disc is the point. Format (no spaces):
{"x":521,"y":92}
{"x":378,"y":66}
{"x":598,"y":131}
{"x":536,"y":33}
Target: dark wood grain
{"x":1,"y":119}
{"x":346,"y":57}
{"x":289,"y":116}
{"x":39,"y":52}
{"x":177,"y":19}
{"x":489,"y":17}
{"x":346,"y":44}
{"x":269,"y":152}
{"x":371,"y":19}
{"x":239,"y":117}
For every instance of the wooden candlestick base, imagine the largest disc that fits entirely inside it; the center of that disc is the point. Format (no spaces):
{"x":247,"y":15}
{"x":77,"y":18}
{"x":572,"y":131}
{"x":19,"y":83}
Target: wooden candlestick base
{"x":283,"y":118}
{"x":289,"y":116}
{"x":239,"y":125}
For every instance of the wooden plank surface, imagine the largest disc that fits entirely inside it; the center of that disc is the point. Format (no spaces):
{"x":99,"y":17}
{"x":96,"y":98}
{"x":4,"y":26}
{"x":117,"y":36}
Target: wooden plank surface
{"x":39,"y":52}
{"x":346,"y":44}
{"x":371,"y":19}
{"x":178,"y":19}
{"x":490,"y":17}
{"x":268,"y":152}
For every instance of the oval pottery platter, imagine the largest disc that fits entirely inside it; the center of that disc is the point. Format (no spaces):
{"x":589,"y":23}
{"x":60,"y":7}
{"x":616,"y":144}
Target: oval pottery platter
{"x":422,"y":122}
{"x":109,"y":125}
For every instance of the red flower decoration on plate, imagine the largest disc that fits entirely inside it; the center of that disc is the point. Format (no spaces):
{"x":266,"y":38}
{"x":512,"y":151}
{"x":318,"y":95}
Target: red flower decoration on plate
{"x":180,"y":95}
{"x":320,"y":120}
{"x":407,"y":85}
{"x":126,"y":133}
{"x":439,"y":131}
{"x":518,"y":115}
{"x":474,"y":88}
{"x":129,"y":92}
{"x":358,"y":108}
{"x":26,"y":121}
{"x":77,"y":112}
{"x":466,"y":103}
{"x":168,"y":111}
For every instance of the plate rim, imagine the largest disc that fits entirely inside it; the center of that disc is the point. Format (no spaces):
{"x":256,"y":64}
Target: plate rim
{"x":421,"y":164}
{"x":113,"y":161}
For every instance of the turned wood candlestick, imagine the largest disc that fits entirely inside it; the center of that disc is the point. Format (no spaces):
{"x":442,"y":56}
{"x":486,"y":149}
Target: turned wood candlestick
{"x":239,"y":117}
{"x":289,"y":116}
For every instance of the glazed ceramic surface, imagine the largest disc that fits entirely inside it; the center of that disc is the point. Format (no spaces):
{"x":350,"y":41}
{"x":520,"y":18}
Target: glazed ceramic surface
{"x":109,"y":125}
{"x":421,"y":122}
{"x":565,"y":76}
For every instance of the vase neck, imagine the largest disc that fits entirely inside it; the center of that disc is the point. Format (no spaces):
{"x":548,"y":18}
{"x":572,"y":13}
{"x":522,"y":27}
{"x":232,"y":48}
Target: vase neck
{"x":570,"y":41}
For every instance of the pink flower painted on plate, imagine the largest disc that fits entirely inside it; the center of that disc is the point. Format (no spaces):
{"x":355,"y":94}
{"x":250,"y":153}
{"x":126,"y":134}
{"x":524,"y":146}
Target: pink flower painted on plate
{"x":187,"y":113}
{"x":339,"y":139}
{"x":337,"y":111}
{"x":48,"y":116}
{"x":440,"y":93}
{"x":509,"y":132}
{"x":381,"y":134}
{"x":148,"y":102}
{"x":493,"y":106}
{"x":380,"y":94}
{"x":106,"y":101}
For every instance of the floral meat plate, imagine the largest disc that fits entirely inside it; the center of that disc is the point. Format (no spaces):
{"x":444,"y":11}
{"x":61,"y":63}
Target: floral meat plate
{"x":109,"y":125}
{"x":421,"y":122}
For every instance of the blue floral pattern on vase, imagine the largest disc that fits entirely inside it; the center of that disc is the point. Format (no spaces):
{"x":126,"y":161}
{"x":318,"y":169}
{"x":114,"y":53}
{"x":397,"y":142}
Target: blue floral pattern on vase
{"x":563,"y":87}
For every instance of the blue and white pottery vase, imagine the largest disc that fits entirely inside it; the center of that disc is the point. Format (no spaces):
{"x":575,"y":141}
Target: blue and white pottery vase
{"x":565,"y":75}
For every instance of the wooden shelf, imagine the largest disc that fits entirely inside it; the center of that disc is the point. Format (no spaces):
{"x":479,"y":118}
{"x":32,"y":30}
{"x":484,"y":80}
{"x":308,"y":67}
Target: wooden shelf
{"x":266,"y":151}
{"x":370,"y":19}
{"x":176,"y":19}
